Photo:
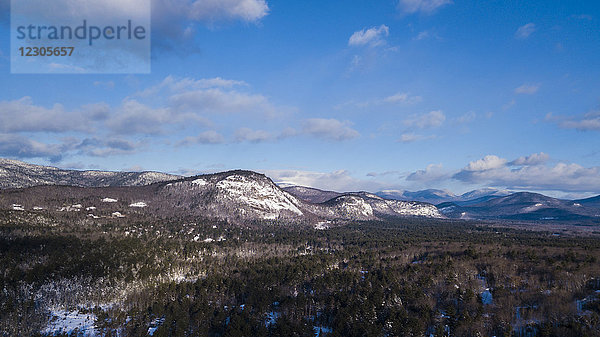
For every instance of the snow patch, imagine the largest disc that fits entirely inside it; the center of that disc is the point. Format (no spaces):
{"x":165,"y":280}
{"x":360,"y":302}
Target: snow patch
{"x":139,"y":204}
{"x":117,"y":215}
{"x":65,"y":322}
{"x":322,"y":225}
{"x":109,"y":200}
{"x":200,"y":182}
{"x":17,"y":207}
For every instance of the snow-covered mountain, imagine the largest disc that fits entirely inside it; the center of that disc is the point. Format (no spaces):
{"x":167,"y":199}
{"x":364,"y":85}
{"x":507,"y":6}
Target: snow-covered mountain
{"x":525,"y":206}
{"x":17,"y":174}
{"x":310,"y":194}
{"x":236,"y":196}
{"x":435,"y":197}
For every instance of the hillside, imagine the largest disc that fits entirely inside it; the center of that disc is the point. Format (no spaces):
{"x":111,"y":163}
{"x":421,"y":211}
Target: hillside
{"x":17,"y":174}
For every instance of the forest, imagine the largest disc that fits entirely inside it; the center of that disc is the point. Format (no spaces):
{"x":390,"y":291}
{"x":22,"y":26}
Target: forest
{"x":141,"y":276}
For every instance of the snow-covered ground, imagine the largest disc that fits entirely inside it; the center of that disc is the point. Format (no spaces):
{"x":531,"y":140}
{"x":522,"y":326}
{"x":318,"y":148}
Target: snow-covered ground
{"x":67,"y":322}
{"x":322,"y":225}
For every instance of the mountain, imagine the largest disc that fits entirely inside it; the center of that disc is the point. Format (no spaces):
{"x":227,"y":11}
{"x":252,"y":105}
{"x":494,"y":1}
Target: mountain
{"x":17,"y":174}
{"x":590,"y":202}
{"x":236,"y":196}
{"x":431,"y":195}
{"x":435,"y":197}
{"x":481,"y":195}
{"x":310,"y":194}
{"x":524,"y":206}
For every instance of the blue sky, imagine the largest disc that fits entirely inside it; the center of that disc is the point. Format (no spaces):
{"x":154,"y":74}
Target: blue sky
{"x":344,"y":95}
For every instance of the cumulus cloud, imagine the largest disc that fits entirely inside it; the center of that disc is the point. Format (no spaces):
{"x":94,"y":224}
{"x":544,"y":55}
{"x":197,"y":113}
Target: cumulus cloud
{"x":534,"y":159}
{"x":206,"y":137}
{"x":433,"y":172}
{"x":429,"y":120}
{"x":17,"y":146}
{"x":23,"y":115}
{"x":489,"y":162}
{"x":330,"y":129}
{"x":530,"y":173}
{"x":134,"y":117}
{"x":421,"y":6}
{"x":194,"y":97}
{"x":373,"y":37}
{"x":527,"y":89}
{"x":525,"y":31}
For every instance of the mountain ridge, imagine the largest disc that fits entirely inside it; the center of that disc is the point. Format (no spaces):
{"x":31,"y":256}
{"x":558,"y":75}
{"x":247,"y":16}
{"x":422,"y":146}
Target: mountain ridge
{"x":18,"y":174}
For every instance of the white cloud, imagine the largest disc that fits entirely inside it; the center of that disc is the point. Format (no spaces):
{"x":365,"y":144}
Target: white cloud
{"x":23,"y":115}
{"x":135,"y":117}
{"x":421,"y":6}
{"x":196,"y":97}
{"x":525,"y":31}
{"x":433,"y":172}
{"x":466,"y":118}
{"x":527,"y":89}
{"x":214,"y":10}
{"x":340,"y":181}
{"x":486,"y":163}
{"x":196,"y":10}
{"x":217,"y":100}
{"x":422,"y":35}
{"x":531,"y":160}
{"x":22,"y":147}
{"x":587,"y":122}
{"x":97,"y":147}
{"x":431,"y":119}
{"x":331,"y":129}
{"x":175,"y":85}
{"x":530,"y":173}
{"x":206,"y":137}
{"x":412,"y":137}
{"x":374,"y":36}
{"x":403,"y":97}
{"x":253,"y":136}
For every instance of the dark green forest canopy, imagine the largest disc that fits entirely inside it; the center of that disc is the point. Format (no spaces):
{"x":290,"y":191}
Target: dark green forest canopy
{"x":398,"y":277}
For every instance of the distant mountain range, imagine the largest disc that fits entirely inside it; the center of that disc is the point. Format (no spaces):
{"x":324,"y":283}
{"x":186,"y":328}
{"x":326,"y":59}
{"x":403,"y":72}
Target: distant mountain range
{"x":438,"y":196}
{"x":483,"y":204}
{"x":526,"y":206}
{"x":242,"y":196}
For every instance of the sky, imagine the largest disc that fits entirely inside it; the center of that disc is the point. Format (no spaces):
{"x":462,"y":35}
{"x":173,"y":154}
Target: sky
{"x":340,"y":95}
